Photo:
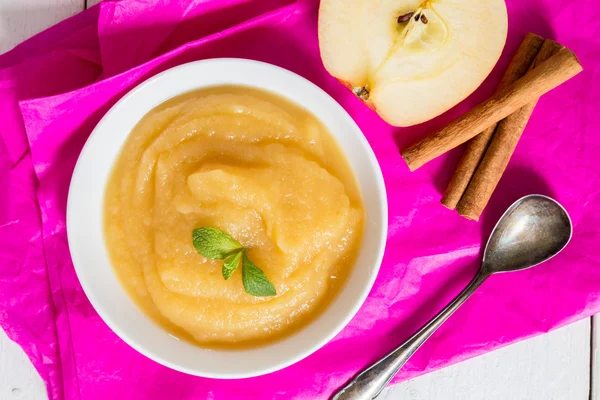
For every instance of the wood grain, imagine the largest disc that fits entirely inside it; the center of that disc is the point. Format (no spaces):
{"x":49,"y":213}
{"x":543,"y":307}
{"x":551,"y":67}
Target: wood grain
{"x":18,"y":378}
{"x":550,"y":367}
{"x":21,"y":19}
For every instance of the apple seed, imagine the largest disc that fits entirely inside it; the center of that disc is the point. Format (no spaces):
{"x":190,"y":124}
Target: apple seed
{"x":405,"y":17}
{"x":411,"y":60}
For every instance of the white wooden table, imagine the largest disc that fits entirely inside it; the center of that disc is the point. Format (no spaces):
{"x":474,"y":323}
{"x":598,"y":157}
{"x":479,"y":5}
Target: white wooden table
{"x":561,"y":365}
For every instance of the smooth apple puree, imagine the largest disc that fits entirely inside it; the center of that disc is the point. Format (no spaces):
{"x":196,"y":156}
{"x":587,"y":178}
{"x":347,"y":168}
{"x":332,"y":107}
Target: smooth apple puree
{"x":255,"y":166}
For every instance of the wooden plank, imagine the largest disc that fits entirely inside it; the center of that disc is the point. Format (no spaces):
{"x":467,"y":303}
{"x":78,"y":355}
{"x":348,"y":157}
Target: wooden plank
{"x":595,"y":359}
{"x":18,"y":379}
{"x":21,"y":19}
{"x":552,"y":366}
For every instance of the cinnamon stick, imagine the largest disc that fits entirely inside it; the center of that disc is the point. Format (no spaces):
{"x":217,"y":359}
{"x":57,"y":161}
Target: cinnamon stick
{"x":476,"y":147}
{"x":500,"y":150}
{"x":559,"y":68}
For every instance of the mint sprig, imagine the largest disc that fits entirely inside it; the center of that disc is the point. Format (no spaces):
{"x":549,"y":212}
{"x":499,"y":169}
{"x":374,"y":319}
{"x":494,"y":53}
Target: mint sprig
{"x":255,"y":281}
{"x":231,"y":263}
{"x":215,"y":244}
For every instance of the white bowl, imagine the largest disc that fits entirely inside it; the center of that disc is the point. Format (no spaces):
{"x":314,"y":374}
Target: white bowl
{"x":86,"y":238}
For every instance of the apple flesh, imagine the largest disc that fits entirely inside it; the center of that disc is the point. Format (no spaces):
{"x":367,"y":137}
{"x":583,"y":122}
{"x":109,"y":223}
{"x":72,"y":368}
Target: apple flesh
{"x":411,"y":60}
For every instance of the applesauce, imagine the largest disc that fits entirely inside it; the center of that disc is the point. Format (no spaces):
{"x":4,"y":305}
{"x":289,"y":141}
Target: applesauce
{"x":251,"y":164}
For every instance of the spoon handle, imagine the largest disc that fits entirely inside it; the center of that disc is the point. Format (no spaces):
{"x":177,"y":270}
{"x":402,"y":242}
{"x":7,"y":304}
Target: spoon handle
{"x":368,"y":384}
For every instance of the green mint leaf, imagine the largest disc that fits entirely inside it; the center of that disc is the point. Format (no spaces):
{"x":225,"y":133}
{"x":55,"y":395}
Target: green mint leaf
{"x":255,"y":281}
{"x":214,"y":243}
{"x":231,"y":263}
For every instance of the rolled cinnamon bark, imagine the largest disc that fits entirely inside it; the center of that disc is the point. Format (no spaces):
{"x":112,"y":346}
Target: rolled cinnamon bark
{"x":500,"y":150}
{"x":559,"y":68}
{"x":476,"y":147}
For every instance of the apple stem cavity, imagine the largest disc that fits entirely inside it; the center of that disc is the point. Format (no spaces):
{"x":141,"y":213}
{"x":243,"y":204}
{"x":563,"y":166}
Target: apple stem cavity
{"x":411,"y":59}
{"x":361,"y":92}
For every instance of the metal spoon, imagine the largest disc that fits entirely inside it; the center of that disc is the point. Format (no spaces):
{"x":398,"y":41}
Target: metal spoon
{"x":534,"y":229}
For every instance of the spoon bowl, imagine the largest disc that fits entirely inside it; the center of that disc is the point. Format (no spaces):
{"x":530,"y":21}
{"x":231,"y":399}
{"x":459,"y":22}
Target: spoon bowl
{"x":534,"y":229}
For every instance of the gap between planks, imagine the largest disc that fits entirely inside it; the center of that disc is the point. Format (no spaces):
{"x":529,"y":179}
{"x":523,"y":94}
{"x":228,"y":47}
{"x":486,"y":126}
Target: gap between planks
{"x":595,"y":358}
{"x":89,"y":3}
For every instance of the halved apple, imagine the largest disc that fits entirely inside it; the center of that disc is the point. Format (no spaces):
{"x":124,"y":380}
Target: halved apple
{"x":411,"y":60}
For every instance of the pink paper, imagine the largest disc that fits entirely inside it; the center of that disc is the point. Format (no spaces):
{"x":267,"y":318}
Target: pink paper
{"x":56,"y":86}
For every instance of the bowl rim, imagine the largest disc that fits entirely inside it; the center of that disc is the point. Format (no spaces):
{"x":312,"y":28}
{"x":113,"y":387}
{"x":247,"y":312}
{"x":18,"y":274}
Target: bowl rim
{"x":149,"y":352}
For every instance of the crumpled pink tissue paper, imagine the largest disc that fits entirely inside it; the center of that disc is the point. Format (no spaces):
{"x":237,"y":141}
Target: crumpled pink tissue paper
{"x":56,"y":86}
